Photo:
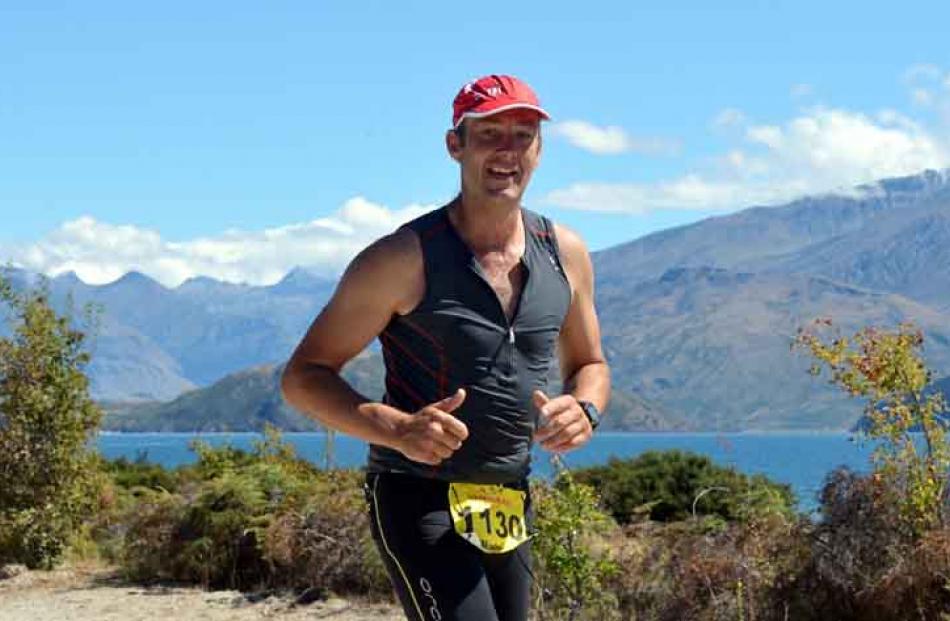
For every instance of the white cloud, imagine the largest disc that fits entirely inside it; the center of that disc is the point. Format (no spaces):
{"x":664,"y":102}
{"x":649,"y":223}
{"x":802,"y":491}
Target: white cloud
{"x":729,"y":117}
{"x":769,"y":135}
{"x":839,"y":147}
{"x":610,"y":140}
{"x":822,"y":150}
{"x":100,"y":252}
{"x":740,"y":162}
{"x":687,"y":193}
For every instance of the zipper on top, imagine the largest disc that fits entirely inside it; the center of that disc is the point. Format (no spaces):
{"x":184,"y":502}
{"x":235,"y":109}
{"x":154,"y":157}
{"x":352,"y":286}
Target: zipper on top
{"x":507,"y":325}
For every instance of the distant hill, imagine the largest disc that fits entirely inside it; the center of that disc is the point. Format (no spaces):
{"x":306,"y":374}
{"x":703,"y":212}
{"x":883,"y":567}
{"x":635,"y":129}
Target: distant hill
{"x":907,"y":253}
{"x":128,"y":364}
{"x":714,"y":345}
{"x":782,"y":238}
{"x":251,"y":399}
{"x":153,"y":342}
{"x":696,"y":319}
{"x":244,"y":401}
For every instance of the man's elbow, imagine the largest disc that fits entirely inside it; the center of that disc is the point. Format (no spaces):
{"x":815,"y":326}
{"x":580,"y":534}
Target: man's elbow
{"x":292,"y":383}
{"x":287,"y":383}
{"x":301,"y":380}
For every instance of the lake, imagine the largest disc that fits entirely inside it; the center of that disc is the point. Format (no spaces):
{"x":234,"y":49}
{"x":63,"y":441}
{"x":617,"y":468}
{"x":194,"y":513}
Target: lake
{"x":801,"y":459}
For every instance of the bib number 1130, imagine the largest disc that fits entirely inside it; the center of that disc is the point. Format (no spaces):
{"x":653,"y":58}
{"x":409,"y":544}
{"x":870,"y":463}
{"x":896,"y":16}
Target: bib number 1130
{"x":490,"y":517}
{"x":501,"y":523}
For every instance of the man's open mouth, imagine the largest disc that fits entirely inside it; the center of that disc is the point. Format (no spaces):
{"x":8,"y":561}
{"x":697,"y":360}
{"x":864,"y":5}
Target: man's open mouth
{"x":499,"y":172}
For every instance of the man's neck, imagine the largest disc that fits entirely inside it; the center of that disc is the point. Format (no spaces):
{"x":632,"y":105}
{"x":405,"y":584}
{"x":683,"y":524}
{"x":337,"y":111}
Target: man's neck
{"x":487,"y":226}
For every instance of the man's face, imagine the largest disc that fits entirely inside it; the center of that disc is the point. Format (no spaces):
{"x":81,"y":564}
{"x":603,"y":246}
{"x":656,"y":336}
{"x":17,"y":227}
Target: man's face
{"x":498,"y":155}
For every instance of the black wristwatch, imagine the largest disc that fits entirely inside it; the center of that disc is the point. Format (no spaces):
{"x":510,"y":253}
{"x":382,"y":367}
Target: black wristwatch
{"x":592,"y":413}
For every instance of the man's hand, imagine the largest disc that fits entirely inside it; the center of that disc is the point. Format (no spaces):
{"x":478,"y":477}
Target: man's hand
{"x":432,"y":434}
{"x":564,"y":426}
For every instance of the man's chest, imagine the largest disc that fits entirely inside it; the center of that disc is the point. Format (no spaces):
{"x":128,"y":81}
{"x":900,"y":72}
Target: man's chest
{"x":506,"y":276}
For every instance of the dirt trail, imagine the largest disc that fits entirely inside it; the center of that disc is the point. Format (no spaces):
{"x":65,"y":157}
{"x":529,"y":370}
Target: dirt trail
{"x":94,"y":593}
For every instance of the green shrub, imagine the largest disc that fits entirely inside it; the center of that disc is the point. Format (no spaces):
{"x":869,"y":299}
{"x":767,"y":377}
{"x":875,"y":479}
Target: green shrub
{"x":686,"y":571}
{"x":150,"y":543}
{"x":864,"y":566}
{"x":573,"y":561}
{"x":324,"y":544}
{"x":886,"y":367}
{"x":667,"y":485}
{"x":882,"y":548}
{"x":134,"y":475}
{"x":48,"y":478}
{"x":252,"y":520}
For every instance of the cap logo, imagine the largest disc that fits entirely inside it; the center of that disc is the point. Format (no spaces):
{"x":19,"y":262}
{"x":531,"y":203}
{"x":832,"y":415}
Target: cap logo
{"x":473,"y":88}
{"x":492,"y":94}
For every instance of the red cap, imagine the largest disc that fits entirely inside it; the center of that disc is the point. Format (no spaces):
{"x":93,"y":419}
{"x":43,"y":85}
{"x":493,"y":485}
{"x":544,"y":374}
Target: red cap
{"x":493,"y":94}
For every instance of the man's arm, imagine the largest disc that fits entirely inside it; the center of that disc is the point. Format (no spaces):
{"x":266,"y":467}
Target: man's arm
{"x":384,"y":279}
{"x":583,"y":365}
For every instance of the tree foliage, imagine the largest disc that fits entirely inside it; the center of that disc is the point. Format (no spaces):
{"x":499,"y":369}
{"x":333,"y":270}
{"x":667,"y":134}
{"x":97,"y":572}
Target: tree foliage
{"x":259,"y":519}
{"x":673,"y":485}
{"x":47,"y":473}
{"x":573,"y":565}
{"x":912,"y":459}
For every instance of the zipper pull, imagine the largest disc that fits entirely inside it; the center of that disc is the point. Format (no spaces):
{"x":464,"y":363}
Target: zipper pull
{"x":511,"y":335}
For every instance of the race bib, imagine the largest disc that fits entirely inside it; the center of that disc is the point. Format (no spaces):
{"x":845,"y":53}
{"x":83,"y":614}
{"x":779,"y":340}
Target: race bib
{"x":490,"y":517}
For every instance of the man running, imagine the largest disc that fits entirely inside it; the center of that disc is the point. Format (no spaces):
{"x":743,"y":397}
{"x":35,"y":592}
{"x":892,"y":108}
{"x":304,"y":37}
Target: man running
{"x":470,"y":302}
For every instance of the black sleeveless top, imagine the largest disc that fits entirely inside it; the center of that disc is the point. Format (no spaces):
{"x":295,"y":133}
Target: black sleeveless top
{"x":459,"y":337}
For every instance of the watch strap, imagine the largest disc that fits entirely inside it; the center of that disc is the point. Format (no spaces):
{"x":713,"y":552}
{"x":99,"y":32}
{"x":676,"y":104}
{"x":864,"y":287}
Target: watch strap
{"x":592,"y":413}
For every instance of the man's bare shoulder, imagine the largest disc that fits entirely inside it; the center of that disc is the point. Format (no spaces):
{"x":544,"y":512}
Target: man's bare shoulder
{"x":398,"y":250}
{"x":391,"y":270}
{"x":574,"y":251}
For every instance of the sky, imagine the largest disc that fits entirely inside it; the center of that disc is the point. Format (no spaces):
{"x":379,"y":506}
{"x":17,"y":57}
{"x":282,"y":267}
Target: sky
{"x":240,"y":139}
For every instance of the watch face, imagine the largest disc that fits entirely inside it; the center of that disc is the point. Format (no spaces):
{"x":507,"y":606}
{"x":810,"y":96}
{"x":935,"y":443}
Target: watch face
{"x":593,"y":415}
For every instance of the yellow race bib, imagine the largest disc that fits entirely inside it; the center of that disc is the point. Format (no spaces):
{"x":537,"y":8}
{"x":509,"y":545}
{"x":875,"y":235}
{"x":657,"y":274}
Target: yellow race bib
{"x":490,"y":517}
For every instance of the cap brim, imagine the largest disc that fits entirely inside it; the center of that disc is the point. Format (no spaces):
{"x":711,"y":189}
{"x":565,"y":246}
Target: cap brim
{"x":473,"y":114}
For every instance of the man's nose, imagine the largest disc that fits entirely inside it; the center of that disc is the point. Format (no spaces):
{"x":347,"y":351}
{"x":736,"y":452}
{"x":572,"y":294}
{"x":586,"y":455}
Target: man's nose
{"x":507,"y":142}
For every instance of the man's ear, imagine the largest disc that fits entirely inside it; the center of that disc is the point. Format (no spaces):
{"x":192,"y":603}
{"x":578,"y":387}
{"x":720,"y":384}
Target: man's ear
{"x":453,"y":145}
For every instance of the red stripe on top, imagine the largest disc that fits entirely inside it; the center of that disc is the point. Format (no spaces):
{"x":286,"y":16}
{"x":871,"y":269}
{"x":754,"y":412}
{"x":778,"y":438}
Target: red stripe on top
{"x":392,"y":377}
{"x":440,"y":352}
{"x":390,"y":338}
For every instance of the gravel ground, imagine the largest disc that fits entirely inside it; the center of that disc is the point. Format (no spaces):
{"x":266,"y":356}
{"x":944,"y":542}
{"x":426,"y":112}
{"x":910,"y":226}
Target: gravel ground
{"x":95,"y":593}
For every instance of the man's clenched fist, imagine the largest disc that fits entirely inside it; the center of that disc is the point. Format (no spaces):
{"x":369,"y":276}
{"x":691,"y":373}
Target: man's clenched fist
{"x":432,"y":434}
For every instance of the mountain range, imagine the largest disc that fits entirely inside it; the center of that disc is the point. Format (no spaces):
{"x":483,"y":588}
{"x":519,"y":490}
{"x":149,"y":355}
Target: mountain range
{"x":697,"y":320}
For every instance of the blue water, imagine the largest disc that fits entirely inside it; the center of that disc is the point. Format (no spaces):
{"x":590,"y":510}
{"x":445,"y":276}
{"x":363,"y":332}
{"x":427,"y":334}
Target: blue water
{"x":801,"y":459}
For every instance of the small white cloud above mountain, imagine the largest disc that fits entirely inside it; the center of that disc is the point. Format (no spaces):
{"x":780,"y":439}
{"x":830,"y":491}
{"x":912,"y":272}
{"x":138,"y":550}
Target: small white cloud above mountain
{"x":610,"y":140}
{"x":100,"y":252}
{"x":687,"y":193}
{"x":840,"y":147}
{"x":820,"y":150}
